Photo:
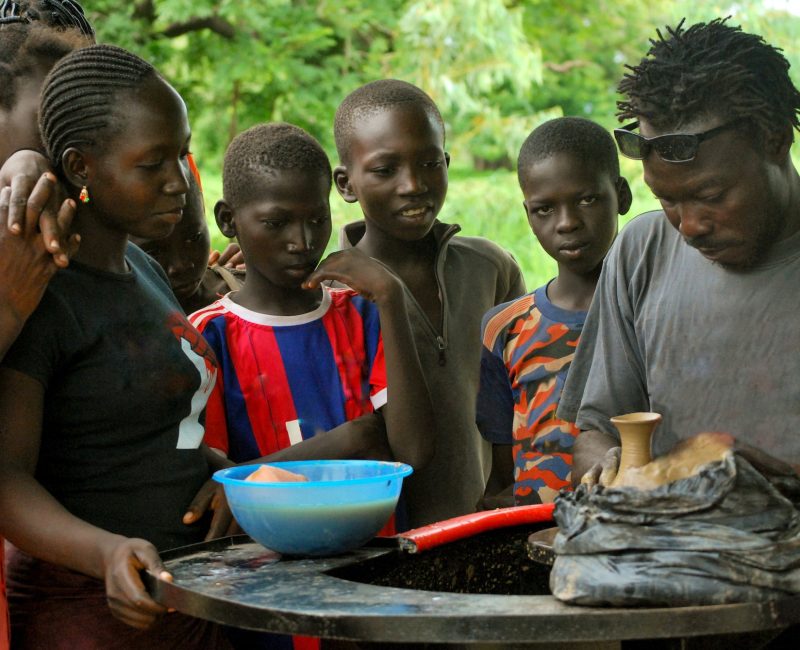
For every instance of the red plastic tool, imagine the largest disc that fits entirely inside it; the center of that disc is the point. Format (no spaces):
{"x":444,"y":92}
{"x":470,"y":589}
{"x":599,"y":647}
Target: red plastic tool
{"x":450,"y":530}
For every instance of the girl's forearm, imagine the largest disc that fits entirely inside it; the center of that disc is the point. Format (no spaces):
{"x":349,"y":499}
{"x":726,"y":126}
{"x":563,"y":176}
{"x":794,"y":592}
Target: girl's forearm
{"x":38,"y":525}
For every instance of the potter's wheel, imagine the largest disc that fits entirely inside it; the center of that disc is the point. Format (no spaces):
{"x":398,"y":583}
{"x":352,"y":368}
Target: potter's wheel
{"x":363,"y":596}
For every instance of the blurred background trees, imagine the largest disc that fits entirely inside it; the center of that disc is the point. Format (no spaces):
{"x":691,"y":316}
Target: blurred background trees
{"x":496,"y":68}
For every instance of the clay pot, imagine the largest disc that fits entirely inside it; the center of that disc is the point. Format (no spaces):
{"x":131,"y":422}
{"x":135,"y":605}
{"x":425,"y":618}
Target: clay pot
{"x":635,"y":431}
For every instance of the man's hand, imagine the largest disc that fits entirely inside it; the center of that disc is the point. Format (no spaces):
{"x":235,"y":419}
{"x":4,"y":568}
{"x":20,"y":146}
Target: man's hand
{"x":362,"y":273}
{"x":127,"y":597}
{"x":605,"y":471}
{"x":591,"y":458}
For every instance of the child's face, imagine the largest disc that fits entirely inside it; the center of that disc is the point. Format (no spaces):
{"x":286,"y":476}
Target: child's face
{"x":572,"y":208}
{"x":284,"y":231}
{"x":397,"y":171}
{"x":137,"y":178}
{"x":183,"y":254}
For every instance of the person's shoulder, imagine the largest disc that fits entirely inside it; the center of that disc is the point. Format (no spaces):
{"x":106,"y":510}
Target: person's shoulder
{"x":141,"y":263}
{"x":343,"y":297}
{"x":504,"y":316}
{"x":645,"y":226}
{"x":203,"y":318}
{"x":485,"y":249}
{"x":510,"y":310}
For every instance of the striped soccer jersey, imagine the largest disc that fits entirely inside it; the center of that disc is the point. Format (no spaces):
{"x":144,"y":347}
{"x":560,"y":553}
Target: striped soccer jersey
{"x":284,"y":378}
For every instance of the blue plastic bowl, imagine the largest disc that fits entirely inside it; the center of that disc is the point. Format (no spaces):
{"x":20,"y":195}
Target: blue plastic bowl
{"x":341,"y":507}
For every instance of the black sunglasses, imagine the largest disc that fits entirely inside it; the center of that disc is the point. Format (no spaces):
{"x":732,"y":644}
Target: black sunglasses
{"x":672,"y":147}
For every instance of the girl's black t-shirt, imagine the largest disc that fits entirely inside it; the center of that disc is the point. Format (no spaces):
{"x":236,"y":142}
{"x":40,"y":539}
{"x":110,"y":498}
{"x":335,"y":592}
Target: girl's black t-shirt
{"x":126,"y":380}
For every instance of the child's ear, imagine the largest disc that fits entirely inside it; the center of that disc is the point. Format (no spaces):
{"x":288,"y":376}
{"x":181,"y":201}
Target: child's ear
{"x":224,"y":217}
{"x":341,"y":180}
{"x":624,"y":195}
{"x":74,"y":164}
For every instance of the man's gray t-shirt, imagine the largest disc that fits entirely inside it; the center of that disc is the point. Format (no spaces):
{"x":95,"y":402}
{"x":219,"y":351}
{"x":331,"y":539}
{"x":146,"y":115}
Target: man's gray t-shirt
{"x":709,"y":348}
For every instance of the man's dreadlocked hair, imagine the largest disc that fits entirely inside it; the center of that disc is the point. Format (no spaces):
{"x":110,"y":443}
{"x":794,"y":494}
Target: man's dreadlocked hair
{"x":61,"y":14}
{"x":710,"y":69}
{"x":80,"y":94}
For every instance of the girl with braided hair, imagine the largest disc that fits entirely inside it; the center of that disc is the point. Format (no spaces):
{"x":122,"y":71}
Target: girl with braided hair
{"x":102,"y":394}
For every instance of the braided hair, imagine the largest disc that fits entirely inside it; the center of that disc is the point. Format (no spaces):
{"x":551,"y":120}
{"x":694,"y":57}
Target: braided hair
{"x":80,"y":93}
{"x":61,"y":14}
{"x":372,"y":98}
{"x":576,"y":136}
{"x":265,"y":149}
{"x":710,"y":68}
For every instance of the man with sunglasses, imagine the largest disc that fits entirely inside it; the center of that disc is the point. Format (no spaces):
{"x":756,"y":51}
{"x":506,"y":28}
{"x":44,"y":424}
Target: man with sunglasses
{"x":696,"y":312}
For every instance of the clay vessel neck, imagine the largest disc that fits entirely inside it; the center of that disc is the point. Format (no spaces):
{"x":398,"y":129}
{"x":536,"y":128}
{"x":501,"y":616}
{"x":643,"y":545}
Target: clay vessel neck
{"x":635,"y":432}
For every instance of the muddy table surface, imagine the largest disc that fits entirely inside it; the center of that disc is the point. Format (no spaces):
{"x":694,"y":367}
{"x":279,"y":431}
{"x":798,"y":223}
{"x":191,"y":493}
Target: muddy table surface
{"x":481,"y":590}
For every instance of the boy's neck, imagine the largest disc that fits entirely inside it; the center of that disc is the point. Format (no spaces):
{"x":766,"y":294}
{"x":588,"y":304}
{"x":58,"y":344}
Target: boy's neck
{"x":573,"y":291}
{"x":264,"y":297}
{"x":397,"y":253}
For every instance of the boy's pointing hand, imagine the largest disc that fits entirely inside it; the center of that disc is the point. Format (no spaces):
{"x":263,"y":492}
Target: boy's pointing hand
{"x":370,"y":278}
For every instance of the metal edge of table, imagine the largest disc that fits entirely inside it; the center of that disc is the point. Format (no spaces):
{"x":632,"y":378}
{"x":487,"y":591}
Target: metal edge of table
{"x":363,"y":612}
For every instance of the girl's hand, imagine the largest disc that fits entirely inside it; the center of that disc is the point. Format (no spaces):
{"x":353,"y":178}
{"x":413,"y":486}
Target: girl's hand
{"x":127,"y":597}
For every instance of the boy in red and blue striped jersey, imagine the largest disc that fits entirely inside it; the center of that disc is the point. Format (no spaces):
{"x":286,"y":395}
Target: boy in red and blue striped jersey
{"x":305,"y":370}
{"x":299,"y":358}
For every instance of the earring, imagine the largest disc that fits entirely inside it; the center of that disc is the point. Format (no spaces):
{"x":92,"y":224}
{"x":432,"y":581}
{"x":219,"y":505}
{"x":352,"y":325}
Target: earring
{"x":84,"y":195}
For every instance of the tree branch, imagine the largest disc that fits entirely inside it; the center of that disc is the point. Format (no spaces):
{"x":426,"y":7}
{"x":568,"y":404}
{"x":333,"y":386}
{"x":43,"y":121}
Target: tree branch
{"x":565,"y":66}
{"x":214,"y":23}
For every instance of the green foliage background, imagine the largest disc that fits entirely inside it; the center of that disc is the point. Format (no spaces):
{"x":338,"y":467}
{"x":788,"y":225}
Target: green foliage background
{"x":496,"y":68}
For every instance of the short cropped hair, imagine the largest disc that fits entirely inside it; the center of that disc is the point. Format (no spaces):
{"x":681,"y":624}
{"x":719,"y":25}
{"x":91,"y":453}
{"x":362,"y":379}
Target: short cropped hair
{"x":373,"y":98}
{"x":266,"y":149}
{"x":61,"y":14}
{"x":80,"y":94}
{"x":576,"y":136}
{"x":28,"y":48}
{"x":711,"y":69}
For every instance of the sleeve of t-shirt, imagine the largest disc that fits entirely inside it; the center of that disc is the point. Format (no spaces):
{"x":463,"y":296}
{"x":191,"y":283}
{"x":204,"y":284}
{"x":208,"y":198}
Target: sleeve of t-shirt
{"x":216,"y":433}
{"x":495,"y":406}
{"x":45,"y":340}
{"x":607,"y":376}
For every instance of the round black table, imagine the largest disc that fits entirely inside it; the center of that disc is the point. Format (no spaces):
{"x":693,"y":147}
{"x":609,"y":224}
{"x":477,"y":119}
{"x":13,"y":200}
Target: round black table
{"x":361,"y":596}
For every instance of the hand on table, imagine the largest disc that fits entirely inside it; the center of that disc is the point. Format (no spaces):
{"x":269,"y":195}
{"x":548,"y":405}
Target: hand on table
{"x":127,"y":597}
{"x":605,"y":471}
